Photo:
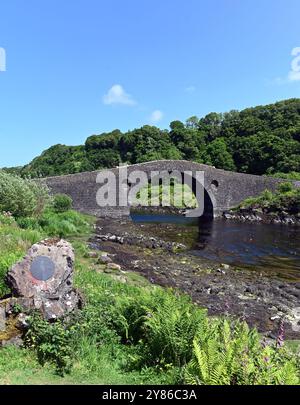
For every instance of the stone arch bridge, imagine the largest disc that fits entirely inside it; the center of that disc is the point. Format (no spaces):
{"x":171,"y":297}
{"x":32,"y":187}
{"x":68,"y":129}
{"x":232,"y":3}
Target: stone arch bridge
{"x":222,"y":189}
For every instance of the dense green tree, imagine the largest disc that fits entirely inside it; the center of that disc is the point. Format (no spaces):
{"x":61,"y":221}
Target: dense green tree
{"x":192,"y":122}
{"x":218,"y":155}
{"x":147,"y":143}
{"x":211,"y":125}
{"x":188,"y":141}
{"x":103,"y":150}
{"x":57,"y":160}
{"x":259,"y":140}
{"x":177,"y":125}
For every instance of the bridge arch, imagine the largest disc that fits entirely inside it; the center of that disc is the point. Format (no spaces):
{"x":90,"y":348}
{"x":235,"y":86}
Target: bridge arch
{"x":172,"y":189}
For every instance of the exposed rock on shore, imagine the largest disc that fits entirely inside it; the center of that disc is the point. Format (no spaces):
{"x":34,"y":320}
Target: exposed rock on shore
{"x":42,"y":281}
{"x":258,"y":215}
{"x":130,"y":234}
{"x":168,"y":210}
{"x":258,"y":297}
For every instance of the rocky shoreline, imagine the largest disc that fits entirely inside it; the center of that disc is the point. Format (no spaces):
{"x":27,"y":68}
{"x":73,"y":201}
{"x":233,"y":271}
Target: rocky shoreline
{"x":261,"y":299}
{"x":242,"y":215}
{"x":159,"y":210}
{"x":258,"y":215}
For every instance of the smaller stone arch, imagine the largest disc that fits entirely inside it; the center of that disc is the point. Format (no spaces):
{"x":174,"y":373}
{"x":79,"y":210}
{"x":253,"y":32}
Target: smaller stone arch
{"x":215,"y":185}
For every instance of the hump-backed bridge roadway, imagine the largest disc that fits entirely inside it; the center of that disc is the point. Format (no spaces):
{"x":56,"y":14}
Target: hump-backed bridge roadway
{"x":222,"y":189}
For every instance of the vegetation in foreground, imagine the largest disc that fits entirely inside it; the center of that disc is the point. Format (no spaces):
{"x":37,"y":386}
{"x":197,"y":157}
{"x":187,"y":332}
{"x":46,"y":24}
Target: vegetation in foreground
{"x":130,"y":332}
{"x":285,"y":199}
{"x":259,"y":140}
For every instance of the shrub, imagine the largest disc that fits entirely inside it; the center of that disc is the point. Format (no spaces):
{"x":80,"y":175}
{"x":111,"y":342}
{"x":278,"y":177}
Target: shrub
{"x":60,"y":342}
{"x":51,"y":342}
{"x":160,"y":334}
{"x":13,"y":244}
{"x":6,"y":219}
{"x":7,"y":260}
{"x":285,"y":187}
{"x":29,"y":223}
{"x":167,"y":331}
{"x":229,"y":353}
{"x":21,"y":197}
{"x":285,"y":198}
{"x":41,"y":194}
{"x":166,"y":323}
{"x":62,"y":203}
{"x":288,"y":176}
{"x":64,"y":224}
{"x":170,"y":327}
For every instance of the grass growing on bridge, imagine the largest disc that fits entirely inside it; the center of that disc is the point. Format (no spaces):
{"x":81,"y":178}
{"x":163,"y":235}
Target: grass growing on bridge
{"x":286,"y":198}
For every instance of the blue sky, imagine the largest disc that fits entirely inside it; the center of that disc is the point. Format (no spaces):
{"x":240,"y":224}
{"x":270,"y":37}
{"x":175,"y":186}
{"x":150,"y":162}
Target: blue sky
{"x":80,"y":67}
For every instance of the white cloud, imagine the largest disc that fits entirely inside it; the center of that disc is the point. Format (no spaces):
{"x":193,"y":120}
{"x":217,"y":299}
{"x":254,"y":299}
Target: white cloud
{"x":2,"y":60}
{"x":294,"y":74}
{"x":156,"y":116}
{"x":277,"y":81}
{"x":190,"y":89}
{"x":117,"y":95}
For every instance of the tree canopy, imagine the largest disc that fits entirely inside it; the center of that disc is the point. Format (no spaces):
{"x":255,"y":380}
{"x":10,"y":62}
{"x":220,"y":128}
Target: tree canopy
{"x":259,"y":140}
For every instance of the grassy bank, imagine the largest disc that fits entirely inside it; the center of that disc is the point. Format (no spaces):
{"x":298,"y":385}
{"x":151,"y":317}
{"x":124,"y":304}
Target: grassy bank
{"x":285,"y":199}
{"x":130,"y":331}
{"x":17,"y":235}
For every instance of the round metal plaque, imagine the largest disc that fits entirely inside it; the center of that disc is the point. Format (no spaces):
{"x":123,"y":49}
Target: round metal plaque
{"x":42,"y":268}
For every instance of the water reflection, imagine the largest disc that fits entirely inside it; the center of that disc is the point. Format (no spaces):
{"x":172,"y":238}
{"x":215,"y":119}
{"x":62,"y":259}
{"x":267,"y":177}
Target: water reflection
{"x":164,"y":219}
{"x":272,"y":247}
{"x":262,"y":247}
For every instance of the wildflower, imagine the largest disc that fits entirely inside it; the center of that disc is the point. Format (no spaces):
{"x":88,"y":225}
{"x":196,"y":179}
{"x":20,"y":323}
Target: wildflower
{"x":280,"y":338}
